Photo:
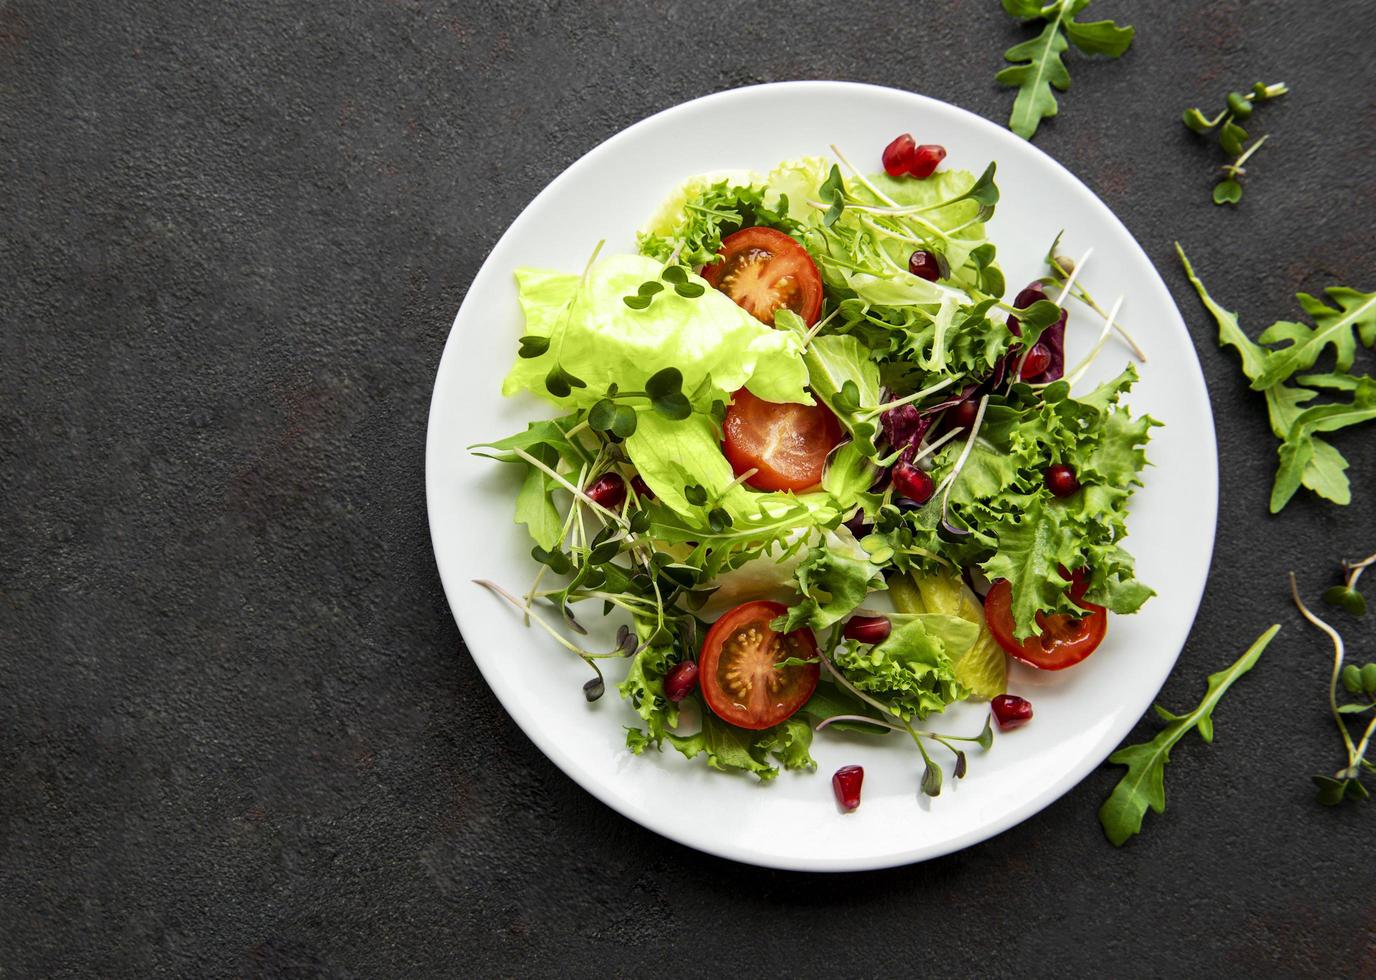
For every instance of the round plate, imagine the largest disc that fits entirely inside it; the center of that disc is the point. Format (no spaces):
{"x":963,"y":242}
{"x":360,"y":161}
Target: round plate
{"x":792,"y":822}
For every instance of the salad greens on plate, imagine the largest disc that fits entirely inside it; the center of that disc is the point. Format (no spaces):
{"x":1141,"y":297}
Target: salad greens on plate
{"x":802,"y":403}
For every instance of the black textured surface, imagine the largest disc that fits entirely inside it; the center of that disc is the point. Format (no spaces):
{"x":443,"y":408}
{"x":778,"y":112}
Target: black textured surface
{"x":239,"y":734}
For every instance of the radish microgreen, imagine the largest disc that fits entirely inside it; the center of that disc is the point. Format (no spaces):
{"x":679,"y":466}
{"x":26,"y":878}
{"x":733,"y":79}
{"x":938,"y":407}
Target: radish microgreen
{"x":1232,"y":137}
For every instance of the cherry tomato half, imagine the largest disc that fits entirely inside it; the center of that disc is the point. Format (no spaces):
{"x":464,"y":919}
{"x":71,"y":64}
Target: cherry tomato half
{"x":787,"y":444}
{"x":1064,"y":640}
{"x":762,"y":270}
{"x":736,"y":667}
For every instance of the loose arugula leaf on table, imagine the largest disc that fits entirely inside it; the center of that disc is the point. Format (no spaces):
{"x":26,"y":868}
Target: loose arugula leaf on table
{"x":1144,"y":783}
{"x":1305,"y":459}
{"x":1037,"y":66}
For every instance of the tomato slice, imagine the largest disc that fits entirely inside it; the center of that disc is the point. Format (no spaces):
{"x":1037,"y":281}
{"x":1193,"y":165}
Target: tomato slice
{"x":1064,"y":641}
{"x":736,"y":668}
{"x":763,"y":270}
{"x":786,"y":444}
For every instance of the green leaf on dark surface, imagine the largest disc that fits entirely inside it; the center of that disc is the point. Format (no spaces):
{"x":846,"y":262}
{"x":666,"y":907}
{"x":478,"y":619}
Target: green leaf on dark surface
{"x":1038,"y":67}
{"x":1143,"y":786}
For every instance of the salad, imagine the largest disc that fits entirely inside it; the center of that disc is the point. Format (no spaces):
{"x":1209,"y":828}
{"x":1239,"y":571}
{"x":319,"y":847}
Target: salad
{"x":825,"y":475}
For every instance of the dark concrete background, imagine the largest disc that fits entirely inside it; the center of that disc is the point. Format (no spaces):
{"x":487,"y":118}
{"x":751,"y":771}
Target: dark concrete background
{"x":239,"y":734}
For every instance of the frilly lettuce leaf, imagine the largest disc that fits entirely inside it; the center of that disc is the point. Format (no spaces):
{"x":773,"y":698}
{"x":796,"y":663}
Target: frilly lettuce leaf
{"x":595,"y":336}
{"x":914,"y":668}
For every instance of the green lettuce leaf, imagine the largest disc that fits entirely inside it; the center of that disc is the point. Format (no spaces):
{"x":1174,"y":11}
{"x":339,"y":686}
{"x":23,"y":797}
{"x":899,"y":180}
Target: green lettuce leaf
{"x":594,"y":336}
{"x":832,"y":586}
{"x":913,"y":669}
{"x":729,"y":748}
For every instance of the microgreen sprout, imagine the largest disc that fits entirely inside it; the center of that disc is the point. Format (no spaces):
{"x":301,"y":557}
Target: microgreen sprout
{"x":1064,"y":271}
{"x":1346,"y":596}
{"x":1345,"y":784}
{"x":892,"y":719}
{"x":1232,"y":137}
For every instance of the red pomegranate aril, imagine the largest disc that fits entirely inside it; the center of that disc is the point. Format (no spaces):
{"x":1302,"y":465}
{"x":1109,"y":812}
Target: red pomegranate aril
{"x":898,"y":155}
{"x":912,"y":483}
{"x":609,"y":490}
{"x":962,"y":415}
{"x":924,"y":265}
{"x":867,"y":629}
{"x":641,"y":488}
{"x":681,"y":680}
{"x":1011,"y":711}
{"x":1060,"y":480}
{"x":926,"y":158}
{"x":1037,"y":361}
{"x":846,"y":783}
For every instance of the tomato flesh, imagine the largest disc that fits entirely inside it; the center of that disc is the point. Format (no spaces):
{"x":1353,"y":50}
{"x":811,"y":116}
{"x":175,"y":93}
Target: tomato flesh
{"x":736,"y":668}
{"x":1064,"y":640}
{"x":786,"y":444}
{"x":764,"y":270}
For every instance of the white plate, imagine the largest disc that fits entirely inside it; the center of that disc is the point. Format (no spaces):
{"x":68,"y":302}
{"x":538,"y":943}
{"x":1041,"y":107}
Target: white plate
{"x":1081,"y":714}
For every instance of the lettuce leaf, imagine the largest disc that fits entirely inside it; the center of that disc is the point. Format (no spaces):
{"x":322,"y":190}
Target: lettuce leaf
{"x":596,"y":337}
{"x":913,"y":669}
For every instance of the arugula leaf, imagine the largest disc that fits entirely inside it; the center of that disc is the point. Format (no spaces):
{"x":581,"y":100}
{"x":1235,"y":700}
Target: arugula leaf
{"x":1304,"y":458}
{"x":1356,"y":314}
{"x":1144,"y":784}
{"x":1037,"y":66}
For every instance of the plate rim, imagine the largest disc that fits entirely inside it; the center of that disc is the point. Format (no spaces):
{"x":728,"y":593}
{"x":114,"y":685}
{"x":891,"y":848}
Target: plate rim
{"x":550,"y":747}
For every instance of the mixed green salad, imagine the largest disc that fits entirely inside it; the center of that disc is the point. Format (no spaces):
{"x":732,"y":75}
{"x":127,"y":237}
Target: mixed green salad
{"x":806,"y":389}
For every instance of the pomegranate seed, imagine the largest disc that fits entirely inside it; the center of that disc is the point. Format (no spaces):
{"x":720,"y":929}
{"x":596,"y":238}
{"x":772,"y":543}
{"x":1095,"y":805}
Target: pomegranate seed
{"x":681,"y":680}
{"x":846,"y":783}
{"x":898,"y":155}
{"x":962,"y":415}
{"x":641,"y":488}
{"x":609,"y":490}
{"x":1060,"y":480}
{"x":1011,"y":711}
{"x":913,"y":483}
{"x":1037,"y":361}
{"x":925,"y":160}
{"x":924,"y":265}
{"x":867,"y":629}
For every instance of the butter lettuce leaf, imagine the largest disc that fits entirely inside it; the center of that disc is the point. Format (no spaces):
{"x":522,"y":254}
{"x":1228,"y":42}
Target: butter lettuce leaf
{"x":595,"y":336}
